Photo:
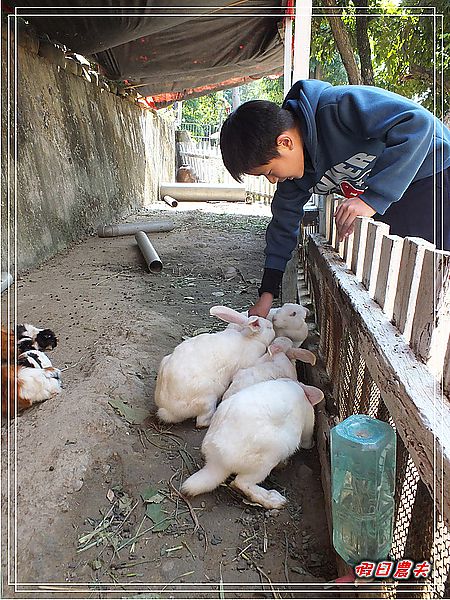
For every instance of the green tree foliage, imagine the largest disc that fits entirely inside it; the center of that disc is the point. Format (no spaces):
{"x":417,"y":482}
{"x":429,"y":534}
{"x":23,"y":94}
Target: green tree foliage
{"x":206,"y":111}
{"x":263,"y":89}
{"x":410,"y":51}
{"x":211,"y":109}
{"x":410,"y":48}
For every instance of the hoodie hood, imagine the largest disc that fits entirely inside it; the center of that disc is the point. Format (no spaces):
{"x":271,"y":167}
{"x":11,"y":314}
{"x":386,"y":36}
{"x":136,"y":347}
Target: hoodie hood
{"x":303,"y":99}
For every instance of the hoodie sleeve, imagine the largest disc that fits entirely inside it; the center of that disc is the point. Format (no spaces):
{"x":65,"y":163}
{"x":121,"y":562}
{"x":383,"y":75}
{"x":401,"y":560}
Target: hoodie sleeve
{"x":282,"y":231}
{"x":405,"y":128}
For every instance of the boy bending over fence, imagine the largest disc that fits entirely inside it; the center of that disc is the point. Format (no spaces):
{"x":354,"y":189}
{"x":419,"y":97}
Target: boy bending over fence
{"x":386,"y":155}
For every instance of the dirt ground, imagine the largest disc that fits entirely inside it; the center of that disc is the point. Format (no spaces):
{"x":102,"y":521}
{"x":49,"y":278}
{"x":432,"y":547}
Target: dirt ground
{"x":85,"y":461}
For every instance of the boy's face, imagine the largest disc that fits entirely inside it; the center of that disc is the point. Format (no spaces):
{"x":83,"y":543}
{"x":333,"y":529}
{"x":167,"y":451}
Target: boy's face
{"x":290,"y":162}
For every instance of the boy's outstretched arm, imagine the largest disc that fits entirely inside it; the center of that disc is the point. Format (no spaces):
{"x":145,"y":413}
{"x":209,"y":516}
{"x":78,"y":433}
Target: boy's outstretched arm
{"x":346,"y":214}
{"x":262,"y":306}
{"x":405,"y":129}
{"x":281,"y":240}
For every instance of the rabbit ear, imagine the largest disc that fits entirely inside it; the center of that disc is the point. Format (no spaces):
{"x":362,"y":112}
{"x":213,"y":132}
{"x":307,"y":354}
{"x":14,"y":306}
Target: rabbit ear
{"x":253,"y":323}
{"x":274,"y":349}
{"x":301,"y":354}
{"x":228,"y":315}
{"x":280,"y":344}
{"x":313,"y":394}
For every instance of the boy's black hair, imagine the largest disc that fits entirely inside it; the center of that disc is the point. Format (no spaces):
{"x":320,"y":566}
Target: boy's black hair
{"x":248,"y":136}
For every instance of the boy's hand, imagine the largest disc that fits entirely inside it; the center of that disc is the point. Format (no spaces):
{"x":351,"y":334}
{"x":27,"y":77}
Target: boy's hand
{"x":346,"y":214}
{"x":262,"y":307}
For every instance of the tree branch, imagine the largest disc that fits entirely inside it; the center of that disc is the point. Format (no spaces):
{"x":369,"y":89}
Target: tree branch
{"x":362,"y":42}
{"x":343,"y":42}
{"x":420,"y":72}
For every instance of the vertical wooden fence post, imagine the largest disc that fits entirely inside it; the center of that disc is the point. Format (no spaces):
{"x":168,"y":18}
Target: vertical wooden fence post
{"x":387,"y":277}
{"x":375,"y":233}
{"x":408,"y":283}
{"x":431,"y":319}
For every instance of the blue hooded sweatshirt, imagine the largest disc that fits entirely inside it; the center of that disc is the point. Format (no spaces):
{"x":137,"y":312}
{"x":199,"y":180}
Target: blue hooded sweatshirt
{"x":358,"y":141}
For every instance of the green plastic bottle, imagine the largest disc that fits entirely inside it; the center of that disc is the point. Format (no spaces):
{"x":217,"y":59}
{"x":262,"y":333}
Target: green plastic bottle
{"x":363,"y":453}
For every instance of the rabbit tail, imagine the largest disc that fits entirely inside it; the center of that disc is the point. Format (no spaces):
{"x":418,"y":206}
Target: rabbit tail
{"x":166,"y":416}
{"x":205,"y":480}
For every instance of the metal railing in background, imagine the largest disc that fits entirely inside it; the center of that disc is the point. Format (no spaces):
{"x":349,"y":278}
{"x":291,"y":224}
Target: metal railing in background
{"x":200,"y":131}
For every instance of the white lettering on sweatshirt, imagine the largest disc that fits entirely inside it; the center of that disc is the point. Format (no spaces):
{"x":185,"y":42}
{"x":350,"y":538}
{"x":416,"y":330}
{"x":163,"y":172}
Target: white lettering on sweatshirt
{"x":346,"y":178}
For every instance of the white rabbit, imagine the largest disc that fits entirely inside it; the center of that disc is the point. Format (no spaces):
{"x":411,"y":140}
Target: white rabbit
{"x":289,"y":321}
{"x":193,"y":378}
{"x":251,"y":433}
{"x":275,"y":364}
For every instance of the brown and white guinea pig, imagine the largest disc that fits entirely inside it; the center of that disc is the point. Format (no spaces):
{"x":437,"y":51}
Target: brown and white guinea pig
{"x":34,"y":359}
{"x":8,"y":345}
{"x":33,"y":385}
{"x":30,"y":337}
{"x":34,"y":375}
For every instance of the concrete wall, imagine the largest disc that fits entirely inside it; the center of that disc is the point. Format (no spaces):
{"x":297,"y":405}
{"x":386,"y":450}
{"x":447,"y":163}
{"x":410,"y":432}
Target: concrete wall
{"x":85,"y":157}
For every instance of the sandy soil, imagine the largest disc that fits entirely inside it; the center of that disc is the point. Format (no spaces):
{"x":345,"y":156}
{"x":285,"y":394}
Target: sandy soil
{"x":82,"y":466}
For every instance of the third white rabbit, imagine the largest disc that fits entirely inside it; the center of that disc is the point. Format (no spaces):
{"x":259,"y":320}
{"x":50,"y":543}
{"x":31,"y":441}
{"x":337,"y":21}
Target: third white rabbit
{"x":275,"y":364}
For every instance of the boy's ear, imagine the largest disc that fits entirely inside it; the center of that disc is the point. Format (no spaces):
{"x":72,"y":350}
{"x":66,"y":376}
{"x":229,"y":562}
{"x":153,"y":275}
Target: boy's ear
{"x":285,"y":140}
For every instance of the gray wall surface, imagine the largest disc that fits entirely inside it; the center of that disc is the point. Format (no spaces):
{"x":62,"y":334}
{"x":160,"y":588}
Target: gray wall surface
{"x":84,"y":157}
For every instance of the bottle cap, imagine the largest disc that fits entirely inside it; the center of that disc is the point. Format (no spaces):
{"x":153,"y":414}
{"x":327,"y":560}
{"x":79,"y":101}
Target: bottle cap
{"x":364,"y":430}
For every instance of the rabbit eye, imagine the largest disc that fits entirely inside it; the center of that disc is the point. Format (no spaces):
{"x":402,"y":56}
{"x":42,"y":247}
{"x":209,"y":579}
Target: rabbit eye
{"x":293,"y":314}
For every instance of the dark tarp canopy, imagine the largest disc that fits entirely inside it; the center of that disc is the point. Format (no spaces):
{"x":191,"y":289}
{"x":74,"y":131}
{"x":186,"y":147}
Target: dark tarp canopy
{"x":162,"y":49}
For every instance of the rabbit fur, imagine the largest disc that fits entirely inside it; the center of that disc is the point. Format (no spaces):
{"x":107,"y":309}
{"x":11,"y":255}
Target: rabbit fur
{"x":251,"y":433}
{"x":277,"y":363}
{"x":193,"y":378}
{"x":288,"y":321}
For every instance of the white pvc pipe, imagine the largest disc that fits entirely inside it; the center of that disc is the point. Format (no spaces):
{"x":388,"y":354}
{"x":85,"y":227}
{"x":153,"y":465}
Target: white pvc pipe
{"x":149,"y":253}
{"x":132,"y":228}
{"x":170,"y":201}
{"x":203,"y":192}
{"x":302,"y":39}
